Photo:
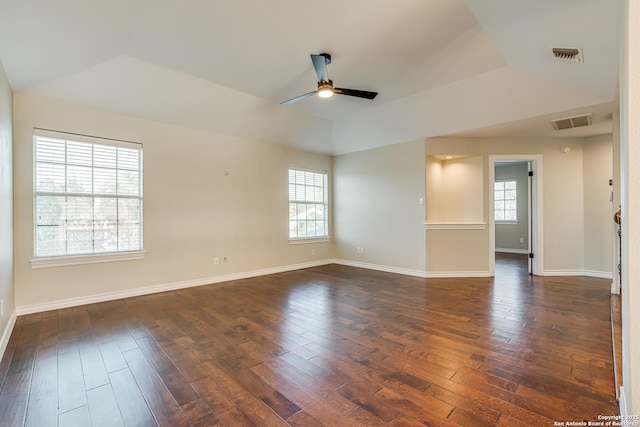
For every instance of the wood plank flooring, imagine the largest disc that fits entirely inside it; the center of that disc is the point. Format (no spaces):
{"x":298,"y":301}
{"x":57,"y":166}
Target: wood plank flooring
{"x":326,"y":346}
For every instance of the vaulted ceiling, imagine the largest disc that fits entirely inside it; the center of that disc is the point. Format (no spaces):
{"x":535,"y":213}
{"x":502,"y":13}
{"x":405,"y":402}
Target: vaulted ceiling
{"x":474,"y":67}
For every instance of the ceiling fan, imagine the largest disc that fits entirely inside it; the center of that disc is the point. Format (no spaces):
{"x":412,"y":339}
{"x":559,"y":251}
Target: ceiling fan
{"x":325,"y":86}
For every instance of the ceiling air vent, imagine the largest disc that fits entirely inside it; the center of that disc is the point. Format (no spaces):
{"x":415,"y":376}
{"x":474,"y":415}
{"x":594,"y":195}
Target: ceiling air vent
{"x":572,"y":122}
{"x":567,"y":54}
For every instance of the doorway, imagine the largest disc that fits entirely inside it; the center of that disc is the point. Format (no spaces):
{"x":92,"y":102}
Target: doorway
{"x":522,"y":232}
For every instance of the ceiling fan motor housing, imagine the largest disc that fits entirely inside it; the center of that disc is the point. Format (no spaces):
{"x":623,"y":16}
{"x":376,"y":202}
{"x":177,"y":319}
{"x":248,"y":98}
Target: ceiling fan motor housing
{"x":325,"y":89}
{"x":328,"y":85}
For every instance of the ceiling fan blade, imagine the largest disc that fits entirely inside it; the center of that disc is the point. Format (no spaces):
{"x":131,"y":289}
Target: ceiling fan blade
{"x":298,"y":98}
{"x":320,"y":65}
{"x":355,"y":92}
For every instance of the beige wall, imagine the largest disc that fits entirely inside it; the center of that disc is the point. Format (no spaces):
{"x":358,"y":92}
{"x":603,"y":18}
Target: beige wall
{"x":6,"y":210}
{"x":563,"y":202}
{"x":599,"y":228}
{"x":455,"y":197}
{"x":376,"y":207}
{"x":434,"y":186}
{"x":193,"y":211}
{"x":630,"y":195}
{"x":616,"y":204}
{"x":455,"y":190}
{"x":457,"y":252}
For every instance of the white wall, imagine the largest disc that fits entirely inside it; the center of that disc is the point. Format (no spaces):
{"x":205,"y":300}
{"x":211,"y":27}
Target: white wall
{"x":193,"y":212}
{"x":6,"y":212}
{"x":508,"y":235}
{"x":376,"y":207}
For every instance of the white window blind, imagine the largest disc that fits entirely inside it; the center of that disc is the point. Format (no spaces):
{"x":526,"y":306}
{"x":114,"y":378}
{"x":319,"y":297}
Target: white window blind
{"x":87,"y":195}
{"x":505,"y":197}
{"x":308,"y":204}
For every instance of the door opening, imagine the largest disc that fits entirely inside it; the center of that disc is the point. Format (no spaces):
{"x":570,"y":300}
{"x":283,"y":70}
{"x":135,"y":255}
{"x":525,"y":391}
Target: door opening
{"x":515,"y":210}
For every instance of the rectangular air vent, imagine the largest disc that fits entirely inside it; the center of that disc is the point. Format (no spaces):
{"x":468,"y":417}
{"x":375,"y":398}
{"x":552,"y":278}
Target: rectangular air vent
{"x":572,"y":122}
{"x":567,"y":54}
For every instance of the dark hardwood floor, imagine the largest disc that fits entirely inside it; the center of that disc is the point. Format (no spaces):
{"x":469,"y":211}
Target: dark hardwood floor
{"x":326,"y":346}
{"x":511,"y":266}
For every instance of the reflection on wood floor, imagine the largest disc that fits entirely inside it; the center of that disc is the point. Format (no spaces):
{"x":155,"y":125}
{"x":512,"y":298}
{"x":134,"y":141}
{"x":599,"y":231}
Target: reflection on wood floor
{"x":511,"y":266}
{"x":331,"y":345}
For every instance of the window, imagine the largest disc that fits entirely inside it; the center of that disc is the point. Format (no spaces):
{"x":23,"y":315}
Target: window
{"x":87,"y":195}
{"x":308,"y":204}
{"x":505,"y":200}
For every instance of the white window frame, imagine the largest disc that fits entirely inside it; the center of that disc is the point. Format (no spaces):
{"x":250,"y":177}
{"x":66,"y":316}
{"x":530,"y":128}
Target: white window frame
{"x":318,"y":199}
{"x":495,"y":200}
{"x":41,"y":259}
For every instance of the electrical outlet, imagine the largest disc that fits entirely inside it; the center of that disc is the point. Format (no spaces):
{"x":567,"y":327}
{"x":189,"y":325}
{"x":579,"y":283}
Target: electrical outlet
{"x":522,"y":240}
{"x":216,"y":261}
{"x":313,"y":252}
{"x":359,"y":250}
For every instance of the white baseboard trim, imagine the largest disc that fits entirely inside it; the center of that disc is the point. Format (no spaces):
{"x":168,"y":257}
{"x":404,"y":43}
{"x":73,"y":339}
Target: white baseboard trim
{"x":624,"y":411}
{"x":615,"y":288}
{"x":588,"y":273}
{"x":6,"y":334}
{"x":379,"y":267}
{"x":600,"y":274}
{"x":110,"y":296}
{"x":456,"y":274}
{"x":512,"y":251}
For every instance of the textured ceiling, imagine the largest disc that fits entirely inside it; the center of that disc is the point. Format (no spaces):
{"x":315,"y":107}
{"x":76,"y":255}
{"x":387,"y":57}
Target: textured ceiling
{"x":440,"y":66}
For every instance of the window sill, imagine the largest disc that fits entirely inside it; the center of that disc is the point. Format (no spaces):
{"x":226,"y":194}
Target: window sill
{"x":308,"y":240}
{"x":60,"y":261}
{"x":506,"y":222}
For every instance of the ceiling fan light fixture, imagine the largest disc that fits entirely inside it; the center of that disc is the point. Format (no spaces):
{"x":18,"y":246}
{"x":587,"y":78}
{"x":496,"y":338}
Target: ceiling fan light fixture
{"x":325,"y":89}
{"x":325,"y":86}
